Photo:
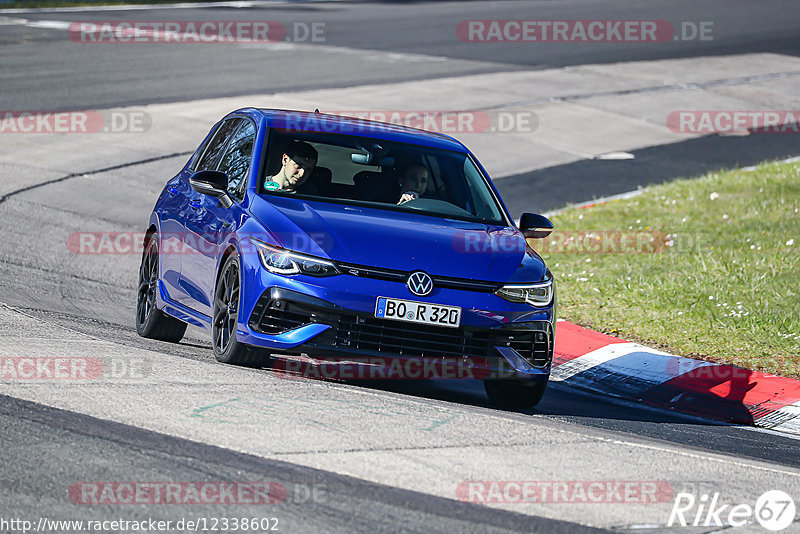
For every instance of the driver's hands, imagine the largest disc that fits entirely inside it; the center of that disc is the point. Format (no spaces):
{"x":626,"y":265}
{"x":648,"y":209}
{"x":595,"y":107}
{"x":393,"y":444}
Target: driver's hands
{"x":405,"y":197}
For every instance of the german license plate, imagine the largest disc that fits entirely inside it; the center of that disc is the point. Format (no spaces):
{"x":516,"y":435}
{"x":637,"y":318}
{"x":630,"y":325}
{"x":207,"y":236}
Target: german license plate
{"x":418,"y":312}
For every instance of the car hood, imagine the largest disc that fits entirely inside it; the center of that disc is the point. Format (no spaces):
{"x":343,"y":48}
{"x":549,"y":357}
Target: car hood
{"x":399,"y":240}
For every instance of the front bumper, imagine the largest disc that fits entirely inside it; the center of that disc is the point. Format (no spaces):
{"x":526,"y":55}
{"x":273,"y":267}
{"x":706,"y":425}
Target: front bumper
{"x":297,"y":323}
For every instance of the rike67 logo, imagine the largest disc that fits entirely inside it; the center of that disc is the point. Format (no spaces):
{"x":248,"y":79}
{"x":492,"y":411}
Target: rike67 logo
{"x":773,"y":510}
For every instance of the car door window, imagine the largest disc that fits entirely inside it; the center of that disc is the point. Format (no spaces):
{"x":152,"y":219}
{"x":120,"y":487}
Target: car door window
{"x":236,"y":160}
{"x":212,"y":154}
{"x":193,"y":163}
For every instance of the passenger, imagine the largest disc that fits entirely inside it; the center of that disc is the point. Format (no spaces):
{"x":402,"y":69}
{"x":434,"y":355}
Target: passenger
{"x":413,"y":182}
{"x":297,"y":165}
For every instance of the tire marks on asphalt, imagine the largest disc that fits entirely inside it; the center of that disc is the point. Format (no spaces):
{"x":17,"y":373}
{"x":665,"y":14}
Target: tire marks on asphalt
{"x":87,"y":173}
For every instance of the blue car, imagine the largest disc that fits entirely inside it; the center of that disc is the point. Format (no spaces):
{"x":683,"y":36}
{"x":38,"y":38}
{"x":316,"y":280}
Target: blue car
{"x":343,"y":239}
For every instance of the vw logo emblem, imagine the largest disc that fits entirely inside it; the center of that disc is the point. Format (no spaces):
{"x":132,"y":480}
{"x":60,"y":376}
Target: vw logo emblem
{"x":420,"y":284}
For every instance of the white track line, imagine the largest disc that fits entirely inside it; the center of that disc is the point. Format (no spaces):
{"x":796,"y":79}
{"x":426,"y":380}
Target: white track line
{"x":273,"y":46}
{"x":140,"y":7}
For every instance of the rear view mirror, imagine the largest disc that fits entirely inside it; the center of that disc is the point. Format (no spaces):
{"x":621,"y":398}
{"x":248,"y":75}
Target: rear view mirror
{"x":535,"y":226}
{"x":372,"y":160}
{"x":212,"y":183}
{"x":373,"y":155}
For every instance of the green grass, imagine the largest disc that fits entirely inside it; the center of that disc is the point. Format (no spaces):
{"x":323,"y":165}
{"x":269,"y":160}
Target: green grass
{"x":726,"y":290}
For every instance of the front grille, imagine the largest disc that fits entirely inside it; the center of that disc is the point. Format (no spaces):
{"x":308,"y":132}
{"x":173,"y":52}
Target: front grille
{"x":466,"y":285}
{"x":272,"y":317}
{"x":373,"y":272}
{"x":391,"y":275}
{"x":409,"y":339}
{"x":533,"y":345}
{"x":365,"y":334}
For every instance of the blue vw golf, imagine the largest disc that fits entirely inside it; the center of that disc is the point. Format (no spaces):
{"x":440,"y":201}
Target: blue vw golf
{"x":310,"y":234}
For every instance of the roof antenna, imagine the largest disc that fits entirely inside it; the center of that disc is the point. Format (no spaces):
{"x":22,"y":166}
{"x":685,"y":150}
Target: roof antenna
{"x":316,"y":111}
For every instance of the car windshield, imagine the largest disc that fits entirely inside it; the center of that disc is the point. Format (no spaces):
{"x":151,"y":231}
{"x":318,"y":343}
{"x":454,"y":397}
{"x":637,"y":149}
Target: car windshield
{"x":378,"y":173}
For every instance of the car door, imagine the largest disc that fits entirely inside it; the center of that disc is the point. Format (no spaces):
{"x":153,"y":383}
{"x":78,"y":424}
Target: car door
{"x":172,"y":218}
{"x":208,"y":223}
{"x":208,"y":159}
{"x":173,"y":213}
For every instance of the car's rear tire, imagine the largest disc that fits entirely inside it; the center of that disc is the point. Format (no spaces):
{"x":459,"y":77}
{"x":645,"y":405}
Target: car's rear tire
{"x":150,"y":321}
{"x":226,"y":317}
{"x":514,"y":395}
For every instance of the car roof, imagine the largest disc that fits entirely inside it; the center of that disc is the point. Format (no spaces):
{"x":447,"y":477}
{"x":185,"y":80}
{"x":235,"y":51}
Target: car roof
{"x":322,"y":122}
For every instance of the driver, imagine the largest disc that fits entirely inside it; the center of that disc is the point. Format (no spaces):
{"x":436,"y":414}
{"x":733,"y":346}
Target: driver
{"x":297,"y":165}
{"x":413,"y":182}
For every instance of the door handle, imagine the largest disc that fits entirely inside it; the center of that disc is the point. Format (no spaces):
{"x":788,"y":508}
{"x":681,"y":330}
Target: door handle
{"x":195,"y":205}
{"x":172,"y":190}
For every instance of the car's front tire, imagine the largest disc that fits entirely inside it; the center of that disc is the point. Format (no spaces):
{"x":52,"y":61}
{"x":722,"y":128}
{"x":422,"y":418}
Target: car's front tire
{"x":514,"y":395}
{"x":150,"y":321}
{"x":226,"y":318}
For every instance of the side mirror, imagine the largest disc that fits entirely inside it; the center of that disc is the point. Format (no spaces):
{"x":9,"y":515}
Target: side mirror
{"x":535,"y":226}
{"x":212,"y":183}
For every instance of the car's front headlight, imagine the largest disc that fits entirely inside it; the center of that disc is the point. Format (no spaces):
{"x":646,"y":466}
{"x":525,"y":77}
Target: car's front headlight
{"x":281,"y":261}
{"x":539,"y":294}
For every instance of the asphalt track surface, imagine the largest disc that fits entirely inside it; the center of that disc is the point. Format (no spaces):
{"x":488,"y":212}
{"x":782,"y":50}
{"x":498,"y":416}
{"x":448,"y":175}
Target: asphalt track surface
{"x":41,"y":73}
{"x":349,"y":504}
{"x":45,"y":446}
